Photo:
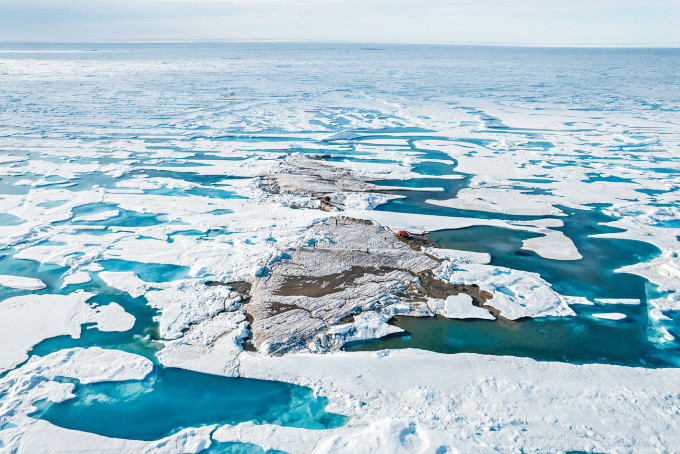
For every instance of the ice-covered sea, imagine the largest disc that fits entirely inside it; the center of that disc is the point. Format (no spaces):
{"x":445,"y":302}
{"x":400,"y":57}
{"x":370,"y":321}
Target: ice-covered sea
{"x":131,"y":177}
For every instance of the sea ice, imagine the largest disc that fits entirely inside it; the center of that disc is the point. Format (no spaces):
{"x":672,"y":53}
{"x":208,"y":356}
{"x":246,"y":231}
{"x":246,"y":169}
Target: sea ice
{"x":458,"y":257}
{"x":126,"y":281}
{"x":21,"y":282}
{"x":516,"y":294}
{"x":35,"y":381}
{"x":497,"y":200}
{"x":366,"y":326}
{"x":458,"y":401}
{"x":26,"y":320}
{"x":610,"y":316}
{"x":112,"y":317}
{"x":626,"y":301}
{"x":459,"y":306}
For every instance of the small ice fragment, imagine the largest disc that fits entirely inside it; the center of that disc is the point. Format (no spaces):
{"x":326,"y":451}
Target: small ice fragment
{"x":113,"y":317}
{"x":611,"y":316}
{"x":459,"y":306}
{"x":629,"y":301}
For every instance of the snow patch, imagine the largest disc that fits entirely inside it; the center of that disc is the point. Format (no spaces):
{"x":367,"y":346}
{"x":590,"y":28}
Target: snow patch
{"x":459,"y":306}
{"x":27,"y":320}
{"x":625,"y":301}
{"x":21,"y":282}
{"x":516,"y":294}
{"x":366,"y":326}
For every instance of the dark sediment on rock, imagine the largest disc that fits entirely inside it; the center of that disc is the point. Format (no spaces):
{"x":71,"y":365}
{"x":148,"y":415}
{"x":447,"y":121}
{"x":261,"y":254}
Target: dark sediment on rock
{"x":316,"y":287}
{"x":436,"y":288}
{"x":242,"y":287}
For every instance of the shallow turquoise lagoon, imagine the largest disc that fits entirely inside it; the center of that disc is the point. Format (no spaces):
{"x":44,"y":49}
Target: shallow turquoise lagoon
{"x":578,"y":340}
{"x":125,"y":218}
{"x":7,"y":219}
{"x":49,"y":274}
{"x":238,"y":448}
{"x":149,"y":272}
{"x":171,"y":399}
{"x":593,"y":276}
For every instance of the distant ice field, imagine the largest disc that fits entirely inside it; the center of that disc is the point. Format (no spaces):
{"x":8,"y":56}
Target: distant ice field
{"x":130,"y":176}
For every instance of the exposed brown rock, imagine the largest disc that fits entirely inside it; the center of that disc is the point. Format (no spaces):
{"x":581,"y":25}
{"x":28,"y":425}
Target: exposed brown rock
{"x":354,"y":266}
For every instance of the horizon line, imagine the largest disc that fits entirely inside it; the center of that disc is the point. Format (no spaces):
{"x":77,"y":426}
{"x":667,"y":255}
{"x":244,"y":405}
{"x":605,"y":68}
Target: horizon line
{"x":277,"y":41}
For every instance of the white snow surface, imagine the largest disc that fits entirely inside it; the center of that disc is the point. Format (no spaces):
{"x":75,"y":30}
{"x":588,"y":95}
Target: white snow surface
{"x":41,"y":437}
{"x":459,"y":306}
{"x":458,"y":257}
{"x":75,"y":277}
{"x":34,"y":381}
{"x":126,"y":281}
{"x":624,"y":301}
{"x":415,"y":401}
{"x":610,"y":316}
{"x":21,"y":282}
{"x":506,"y":201}
{"x":516,"y":294}
{"x":112,"y":317}
{"x":29,"y":319}
{"x":366,"y":326}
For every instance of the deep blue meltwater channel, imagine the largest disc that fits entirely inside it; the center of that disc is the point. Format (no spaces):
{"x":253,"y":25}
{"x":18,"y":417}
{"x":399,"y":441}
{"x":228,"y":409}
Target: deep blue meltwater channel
{"x":171,"y":399}
{"x":577,"y":340}
{"x":592,"y":276}
{"x":580,"y":339}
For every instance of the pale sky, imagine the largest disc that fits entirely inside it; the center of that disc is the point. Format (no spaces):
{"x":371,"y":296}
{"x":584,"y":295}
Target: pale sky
{"x":539,"y":22}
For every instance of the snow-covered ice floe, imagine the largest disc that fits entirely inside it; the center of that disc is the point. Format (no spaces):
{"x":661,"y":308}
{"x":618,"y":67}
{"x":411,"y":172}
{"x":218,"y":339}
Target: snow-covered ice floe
{"x":27,"y":320}
{"x":516,"y":294}
{"x":21,"y":282}
{"x":499,"y":201}
{"x":412,"y":400}
{"x":610,"y":316}
{"x":459,"y":306}
{"x":35,"y":381}
{"x":624,"y":301}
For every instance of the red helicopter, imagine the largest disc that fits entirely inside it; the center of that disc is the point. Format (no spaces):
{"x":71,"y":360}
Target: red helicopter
{"x":408,"y":235}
